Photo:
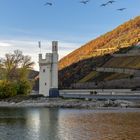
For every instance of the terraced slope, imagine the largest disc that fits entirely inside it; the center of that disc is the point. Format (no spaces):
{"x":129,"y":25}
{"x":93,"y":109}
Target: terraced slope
{"x":80,"y":65}
{"x":129,"y":62}
{"x":132,"y":62}
{"x":101,"y":76}
{"x":123,"y":36}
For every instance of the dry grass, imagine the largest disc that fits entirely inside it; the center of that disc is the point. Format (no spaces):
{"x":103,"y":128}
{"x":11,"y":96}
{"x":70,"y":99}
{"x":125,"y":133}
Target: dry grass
{"x":88,"y":77}
{"x":124,"y":62}
{"x":117,"y":76}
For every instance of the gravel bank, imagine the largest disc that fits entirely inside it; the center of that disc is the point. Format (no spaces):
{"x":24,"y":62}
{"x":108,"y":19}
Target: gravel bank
{"x":33,"y":101}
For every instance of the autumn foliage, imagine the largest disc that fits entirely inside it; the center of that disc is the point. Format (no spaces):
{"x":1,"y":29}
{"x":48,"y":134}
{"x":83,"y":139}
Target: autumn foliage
{"x":123,"y":36}
{"x":97,"y":53}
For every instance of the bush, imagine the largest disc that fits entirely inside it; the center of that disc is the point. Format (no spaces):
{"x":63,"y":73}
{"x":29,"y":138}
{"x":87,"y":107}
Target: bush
{"x":24,"y":87}
{"x":7,"y":89}
{"x":10,"y":89}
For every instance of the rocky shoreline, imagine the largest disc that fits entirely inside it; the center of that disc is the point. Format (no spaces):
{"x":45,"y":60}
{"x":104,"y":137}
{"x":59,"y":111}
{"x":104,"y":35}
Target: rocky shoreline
{"x":31,"y":101}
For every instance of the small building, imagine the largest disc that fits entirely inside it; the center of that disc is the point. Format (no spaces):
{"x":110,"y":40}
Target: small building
{"x":48,"y":72}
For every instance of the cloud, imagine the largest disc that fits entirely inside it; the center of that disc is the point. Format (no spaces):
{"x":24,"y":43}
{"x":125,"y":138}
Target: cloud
{"x":30,"y":47}
{"x":3,"y":44}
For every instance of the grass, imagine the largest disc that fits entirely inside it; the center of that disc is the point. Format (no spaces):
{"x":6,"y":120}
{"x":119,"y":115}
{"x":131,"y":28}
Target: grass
{"x":132,"y":62}
{"x":116,"y":76}
{"x":88,"y":77}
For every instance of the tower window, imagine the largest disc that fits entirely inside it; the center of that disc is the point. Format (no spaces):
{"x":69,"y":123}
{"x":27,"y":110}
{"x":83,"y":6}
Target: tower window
{"x":43,"y":70}
{"x":55,"y":48}
{"x":45,"y":84}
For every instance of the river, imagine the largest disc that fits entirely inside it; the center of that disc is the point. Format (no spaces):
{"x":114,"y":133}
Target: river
{"x":69,"y":124}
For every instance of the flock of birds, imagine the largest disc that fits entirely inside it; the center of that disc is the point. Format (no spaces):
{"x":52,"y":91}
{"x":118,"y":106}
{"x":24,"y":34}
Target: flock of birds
{"x":87,"y":1}
{"x":111,"y":2}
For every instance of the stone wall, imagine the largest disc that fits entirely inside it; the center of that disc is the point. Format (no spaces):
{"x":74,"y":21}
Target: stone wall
{"x":119,"y":70}
{"x":122,"y":83}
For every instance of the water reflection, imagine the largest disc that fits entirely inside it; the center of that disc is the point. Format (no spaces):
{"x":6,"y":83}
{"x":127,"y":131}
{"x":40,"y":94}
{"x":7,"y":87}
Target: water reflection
{"x":42,"y":124}
{"x":28,"y":124}
{"x":100,"y":125}
{"x":65,"y":124}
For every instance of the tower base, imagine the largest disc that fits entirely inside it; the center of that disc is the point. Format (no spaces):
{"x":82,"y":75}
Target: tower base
{"x":53,"y":93}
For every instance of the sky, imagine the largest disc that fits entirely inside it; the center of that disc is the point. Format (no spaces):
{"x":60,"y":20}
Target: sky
{"x":25,"y":22}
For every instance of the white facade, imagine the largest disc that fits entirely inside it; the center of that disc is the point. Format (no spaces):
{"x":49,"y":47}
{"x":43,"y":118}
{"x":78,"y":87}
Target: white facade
{"x":48,"y":73}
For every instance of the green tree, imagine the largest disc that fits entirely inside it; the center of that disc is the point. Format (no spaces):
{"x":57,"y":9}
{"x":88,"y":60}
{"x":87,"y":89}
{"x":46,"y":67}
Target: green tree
{"x":14,"y":71}
{"x":16,"y":66}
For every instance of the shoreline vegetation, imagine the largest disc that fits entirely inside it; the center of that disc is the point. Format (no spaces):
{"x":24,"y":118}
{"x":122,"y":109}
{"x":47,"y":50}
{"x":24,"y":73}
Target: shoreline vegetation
{"x":40,"y":101}
{"x":14,"y":74}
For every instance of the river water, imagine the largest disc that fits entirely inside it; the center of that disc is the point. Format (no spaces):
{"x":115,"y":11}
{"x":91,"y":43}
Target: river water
{"x":69,"y":124}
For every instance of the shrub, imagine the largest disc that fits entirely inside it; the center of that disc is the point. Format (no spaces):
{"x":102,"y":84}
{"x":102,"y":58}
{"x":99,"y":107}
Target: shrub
{"x":24,"y":87}
{"x":7,"y":89}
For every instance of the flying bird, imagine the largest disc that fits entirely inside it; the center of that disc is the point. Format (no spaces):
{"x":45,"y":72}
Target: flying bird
{"x":48,"y":3}
{"x":104,"y":4}
{"x":84,"y":1}
{"x":121,"y":9}
{"x":111,"y":1}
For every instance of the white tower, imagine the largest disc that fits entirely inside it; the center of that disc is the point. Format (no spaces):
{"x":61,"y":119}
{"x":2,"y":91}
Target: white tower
{"x":54,"y":64}
{"x":48,"y":73}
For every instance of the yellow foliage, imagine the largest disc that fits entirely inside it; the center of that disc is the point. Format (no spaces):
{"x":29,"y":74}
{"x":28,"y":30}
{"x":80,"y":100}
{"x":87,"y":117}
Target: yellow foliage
{"x":123,"y":36}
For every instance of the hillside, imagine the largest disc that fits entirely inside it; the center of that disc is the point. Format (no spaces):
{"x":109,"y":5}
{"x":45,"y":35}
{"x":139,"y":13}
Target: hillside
{"x":123,"y":36}
{"x":79,"y":67}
